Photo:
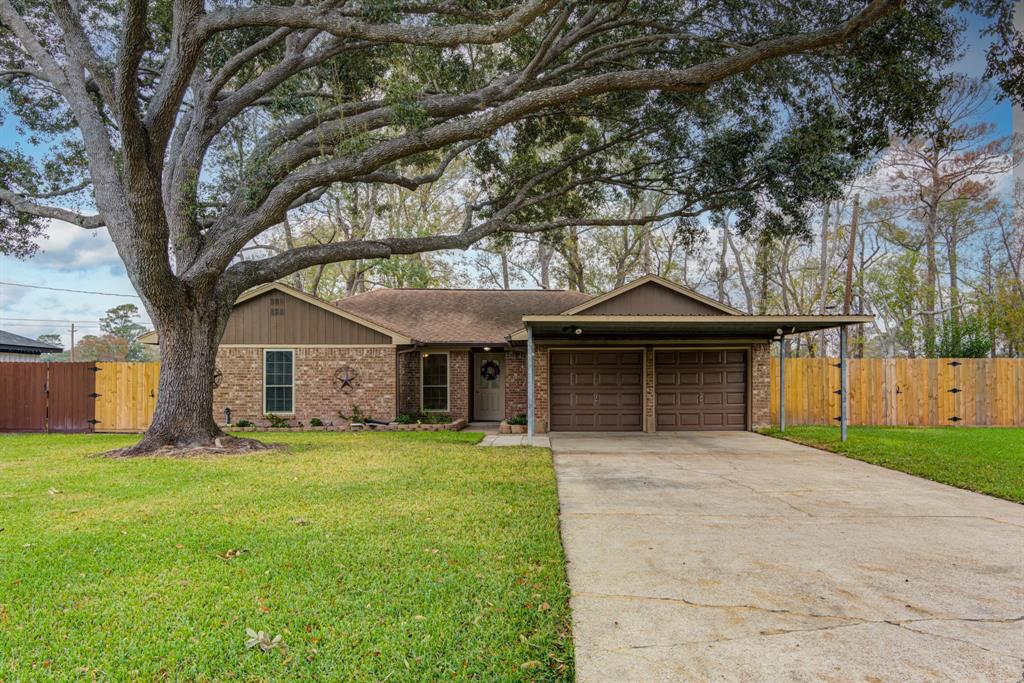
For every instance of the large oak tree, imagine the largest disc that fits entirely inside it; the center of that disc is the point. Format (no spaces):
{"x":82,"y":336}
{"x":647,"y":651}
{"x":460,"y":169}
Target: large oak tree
{"x":188,"y":128}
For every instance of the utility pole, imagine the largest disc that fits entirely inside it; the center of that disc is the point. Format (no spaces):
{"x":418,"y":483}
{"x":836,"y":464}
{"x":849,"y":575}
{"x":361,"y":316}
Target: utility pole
{"x":72,"y":342}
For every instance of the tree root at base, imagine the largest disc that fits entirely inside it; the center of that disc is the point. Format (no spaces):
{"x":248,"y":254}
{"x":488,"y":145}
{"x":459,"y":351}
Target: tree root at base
{"x":215,"y":446}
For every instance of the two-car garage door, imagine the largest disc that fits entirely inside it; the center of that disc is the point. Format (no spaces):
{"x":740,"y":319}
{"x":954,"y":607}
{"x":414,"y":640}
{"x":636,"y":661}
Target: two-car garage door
{"x":602,"y":390}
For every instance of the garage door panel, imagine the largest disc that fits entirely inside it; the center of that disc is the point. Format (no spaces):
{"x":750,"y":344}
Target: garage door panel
{"x":598,"y":390}
{"x":701,"y":389}
{"x":712,"y":377}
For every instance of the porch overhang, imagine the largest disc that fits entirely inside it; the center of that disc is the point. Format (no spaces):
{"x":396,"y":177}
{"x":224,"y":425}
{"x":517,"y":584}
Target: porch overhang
{"x":681,"y":327}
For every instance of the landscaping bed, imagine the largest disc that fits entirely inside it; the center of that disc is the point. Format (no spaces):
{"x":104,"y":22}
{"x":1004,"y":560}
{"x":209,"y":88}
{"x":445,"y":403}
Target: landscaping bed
{"x":984,"y":459}
{"x":454,"y":426}
{"x":375,"y":556}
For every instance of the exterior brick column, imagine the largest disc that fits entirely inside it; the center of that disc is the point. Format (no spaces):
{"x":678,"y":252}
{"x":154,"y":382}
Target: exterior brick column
{"x":459,"y":398}
{"x":760,"y":381}
{"x":541,"y":388}
{"x":515,"y":382}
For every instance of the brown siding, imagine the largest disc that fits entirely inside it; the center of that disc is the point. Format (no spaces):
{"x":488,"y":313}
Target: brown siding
{"x":652,"y":299}
{"x":277,"y":318}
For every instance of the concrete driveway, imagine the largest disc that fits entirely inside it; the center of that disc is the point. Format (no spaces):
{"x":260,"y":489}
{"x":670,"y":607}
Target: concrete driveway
{"x":737,"y":557}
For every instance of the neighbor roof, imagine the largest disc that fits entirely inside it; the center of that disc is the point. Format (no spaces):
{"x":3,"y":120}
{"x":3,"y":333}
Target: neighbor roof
{"x":15,"y":343}
{"x":458,"y":316}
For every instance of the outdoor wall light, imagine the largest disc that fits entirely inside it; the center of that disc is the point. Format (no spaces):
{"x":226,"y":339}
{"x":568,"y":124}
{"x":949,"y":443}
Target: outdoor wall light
{"x":487,"y":348}
{"x":227,"y":416}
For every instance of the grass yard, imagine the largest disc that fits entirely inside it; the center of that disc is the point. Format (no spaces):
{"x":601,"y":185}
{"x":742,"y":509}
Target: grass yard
{"x":985,"y":459}
{"x":383,"y":557}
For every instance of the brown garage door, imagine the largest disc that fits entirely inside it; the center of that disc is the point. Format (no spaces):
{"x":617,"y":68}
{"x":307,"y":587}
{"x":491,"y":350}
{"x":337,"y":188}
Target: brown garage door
{"x":597,"y":390}
{"x":700,"y":390}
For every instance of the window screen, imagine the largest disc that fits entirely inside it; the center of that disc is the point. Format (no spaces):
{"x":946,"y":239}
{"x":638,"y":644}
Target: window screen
{"x":435,"y":381}
{"x":278,"y":384}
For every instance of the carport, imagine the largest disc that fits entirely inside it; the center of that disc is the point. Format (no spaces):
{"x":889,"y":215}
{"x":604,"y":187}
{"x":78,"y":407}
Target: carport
{"x":680,"y":353}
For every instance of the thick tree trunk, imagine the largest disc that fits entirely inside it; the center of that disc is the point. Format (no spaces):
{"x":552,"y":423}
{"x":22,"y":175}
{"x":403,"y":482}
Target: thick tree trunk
{"x":184,"y":420}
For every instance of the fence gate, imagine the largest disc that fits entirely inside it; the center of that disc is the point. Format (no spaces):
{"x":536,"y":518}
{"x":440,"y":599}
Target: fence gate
{"x":72,"y":397}
{"x":54,"y":397}
{"x":23,"y":386}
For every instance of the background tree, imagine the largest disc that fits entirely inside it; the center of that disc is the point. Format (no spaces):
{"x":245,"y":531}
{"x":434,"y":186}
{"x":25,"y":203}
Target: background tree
{"x":190,"y":129}
{"x":120,"y":322}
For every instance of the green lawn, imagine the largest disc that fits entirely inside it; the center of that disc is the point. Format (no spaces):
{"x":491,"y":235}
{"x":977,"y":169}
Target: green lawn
{"x":383,"y":557}
{"x":985,"y":459}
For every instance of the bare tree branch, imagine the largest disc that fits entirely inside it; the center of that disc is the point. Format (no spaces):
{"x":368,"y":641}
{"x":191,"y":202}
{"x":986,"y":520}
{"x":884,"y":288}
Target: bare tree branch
{"x":32,"y":208}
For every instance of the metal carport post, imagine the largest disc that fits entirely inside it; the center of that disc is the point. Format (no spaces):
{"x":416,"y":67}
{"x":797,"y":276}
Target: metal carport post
{"x":842,"y":382}
{"x":782,"y":381}
{"x":531,"y":391}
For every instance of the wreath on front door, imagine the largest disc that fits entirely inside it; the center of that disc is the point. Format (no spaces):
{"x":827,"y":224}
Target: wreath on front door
{"x":489,"y":370}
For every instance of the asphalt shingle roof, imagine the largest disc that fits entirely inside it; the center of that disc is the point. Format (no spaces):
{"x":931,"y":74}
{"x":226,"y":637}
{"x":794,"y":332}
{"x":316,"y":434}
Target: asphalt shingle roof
{"x":15,"y":342}
{"x":447,"y":316}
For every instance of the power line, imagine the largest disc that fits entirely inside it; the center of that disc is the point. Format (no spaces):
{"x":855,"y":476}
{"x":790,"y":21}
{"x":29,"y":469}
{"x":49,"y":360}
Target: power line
{"x":49,"y":325}
{"x":75,"y":291}
{"x":48,"y":320}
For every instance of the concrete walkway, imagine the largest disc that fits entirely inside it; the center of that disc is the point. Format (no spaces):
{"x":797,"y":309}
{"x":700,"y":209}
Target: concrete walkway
{"x":736,"y":557}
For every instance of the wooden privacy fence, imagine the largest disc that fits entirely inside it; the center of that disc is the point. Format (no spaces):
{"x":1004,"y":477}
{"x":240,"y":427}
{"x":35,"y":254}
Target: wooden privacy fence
{"x":904,"y":391}
{"x":127,"y":396}
{"x":47,"y":397}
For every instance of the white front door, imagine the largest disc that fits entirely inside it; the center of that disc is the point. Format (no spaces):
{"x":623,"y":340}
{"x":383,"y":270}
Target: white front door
{"x":489,"y":386}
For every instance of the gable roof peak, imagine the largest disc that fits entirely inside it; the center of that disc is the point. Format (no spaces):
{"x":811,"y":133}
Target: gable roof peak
{"x":657,"y":280}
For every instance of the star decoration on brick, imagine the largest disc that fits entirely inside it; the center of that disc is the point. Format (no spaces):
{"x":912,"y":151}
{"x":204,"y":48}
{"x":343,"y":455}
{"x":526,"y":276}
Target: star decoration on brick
{"x":344,"y":378}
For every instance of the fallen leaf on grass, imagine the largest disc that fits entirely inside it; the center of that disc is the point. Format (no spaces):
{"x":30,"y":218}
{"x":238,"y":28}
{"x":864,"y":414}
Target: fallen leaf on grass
{"x":532,"y":664}
{"x":232,"y":553}
{"x":264,"y":642}
{"x":301,"y":522}
{"x":54,"y":492}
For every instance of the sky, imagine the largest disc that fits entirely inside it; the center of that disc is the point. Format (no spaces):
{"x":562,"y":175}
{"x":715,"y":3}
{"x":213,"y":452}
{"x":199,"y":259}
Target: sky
{"x":71,"y":258}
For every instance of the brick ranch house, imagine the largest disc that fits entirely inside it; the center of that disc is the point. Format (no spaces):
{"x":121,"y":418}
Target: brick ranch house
{"x":649,"y":356}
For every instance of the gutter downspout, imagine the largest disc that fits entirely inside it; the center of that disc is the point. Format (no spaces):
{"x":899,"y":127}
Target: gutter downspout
{"x":531,"y":391}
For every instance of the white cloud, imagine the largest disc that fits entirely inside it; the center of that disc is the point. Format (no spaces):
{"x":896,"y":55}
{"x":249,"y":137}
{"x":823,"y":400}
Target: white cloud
{"x":10,"y":296}
{"x":68,"y":247}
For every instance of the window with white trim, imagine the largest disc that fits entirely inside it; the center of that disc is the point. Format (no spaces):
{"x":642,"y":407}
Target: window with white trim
{"x":434,"y":381}
{"x":278,"y":381}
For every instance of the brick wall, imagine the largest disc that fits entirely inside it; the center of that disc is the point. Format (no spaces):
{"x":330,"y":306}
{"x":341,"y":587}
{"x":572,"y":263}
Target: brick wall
{"x":760,"y":379}
{"x":409,"y":400}
{"x":540,"y":384}
{"x":515,"y":382}
{"x":316,"y":392}
{"x":459,"y":397}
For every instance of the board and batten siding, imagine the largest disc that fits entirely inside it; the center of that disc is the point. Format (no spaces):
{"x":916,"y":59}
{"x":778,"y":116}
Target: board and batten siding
{"x":651,"y":299}
{"x":274,"y":318}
